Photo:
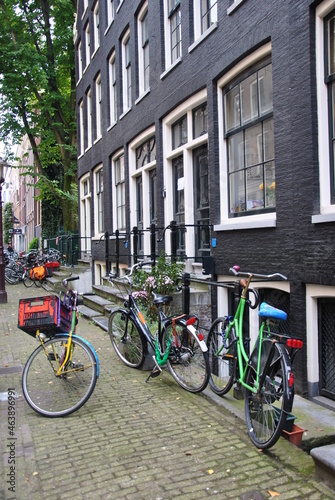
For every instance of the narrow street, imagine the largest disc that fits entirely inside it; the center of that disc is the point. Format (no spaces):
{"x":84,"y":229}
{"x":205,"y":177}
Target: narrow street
{"x":134,"y":440}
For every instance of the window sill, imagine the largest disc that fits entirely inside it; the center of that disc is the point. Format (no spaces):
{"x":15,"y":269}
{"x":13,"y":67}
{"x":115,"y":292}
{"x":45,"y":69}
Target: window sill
{"x":323,"y":218}
{"x":120,"y":5}
{"x":95,"y":51}
{"x":97,"y":139}
{"x":203,"y":37}
{"x":125,"y":113}
{"x":234,"y":6}
{"x":248,"y":222}
{"x":108,"y":27}
{"x":166,"y":72}
{"x":142,"y":96}
{"x":112,"y":125}
{"x":88,"y":148}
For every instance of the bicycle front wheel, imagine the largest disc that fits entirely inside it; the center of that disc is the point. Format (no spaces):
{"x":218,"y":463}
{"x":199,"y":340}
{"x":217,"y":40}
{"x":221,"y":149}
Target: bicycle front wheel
{"x":187,"y":362}
{"x":53,"y":395}
{"x":126,"y":339}
{"x":27,"y":280}
{"x":221,"y":359}
{"x":266,"y":410}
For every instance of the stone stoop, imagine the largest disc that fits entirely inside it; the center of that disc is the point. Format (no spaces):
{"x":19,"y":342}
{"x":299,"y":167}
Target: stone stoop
{"x":324,"y":459}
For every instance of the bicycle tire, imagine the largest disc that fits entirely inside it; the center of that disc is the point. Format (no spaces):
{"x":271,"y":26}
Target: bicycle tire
{"x":10,"y":276}
{"x":126,"y":339}
{"x":187,"y":362}
{"x":221,"y":366}
{"x":58,"y":396}
{"x":37,"y":282}
{"x":27,"y":280}
{"x":266,"y":410}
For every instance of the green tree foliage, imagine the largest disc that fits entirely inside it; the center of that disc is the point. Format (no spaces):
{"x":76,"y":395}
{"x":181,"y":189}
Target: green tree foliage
{"x":7,"y":217}
{"x":37,"y":87}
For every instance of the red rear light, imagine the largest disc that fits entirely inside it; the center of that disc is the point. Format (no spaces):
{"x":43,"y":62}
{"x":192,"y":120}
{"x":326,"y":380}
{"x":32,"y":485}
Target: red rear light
{"x":294,"y":343}
{"x":200,"y":337}
{"x":191,"y":321}
{"x":290,"y":380}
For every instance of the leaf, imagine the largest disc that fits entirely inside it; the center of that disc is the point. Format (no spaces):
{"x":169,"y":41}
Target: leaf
{"x":35,"y":473}
{"x":273,"y":493}
{"x":188,"y":453}
{"x":210,"y":472}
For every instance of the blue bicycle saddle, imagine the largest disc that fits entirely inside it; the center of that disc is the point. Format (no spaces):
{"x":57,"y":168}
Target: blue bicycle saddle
{"x":267,"y":311}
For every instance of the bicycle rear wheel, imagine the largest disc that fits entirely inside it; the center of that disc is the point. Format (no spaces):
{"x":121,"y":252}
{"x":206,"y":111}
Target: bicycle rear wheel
{"x":221,"y":363}
{"x":187,"y":362}
{"x":28,"y":280}
{"x":266,"y":410}
{"x":126,"y":339}
{"x":57,"y":396}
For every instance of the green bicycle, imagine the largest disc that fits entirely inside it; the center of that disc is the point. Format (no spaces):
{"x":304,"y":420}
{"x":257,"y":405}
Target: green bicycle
{"x":266,"y":374}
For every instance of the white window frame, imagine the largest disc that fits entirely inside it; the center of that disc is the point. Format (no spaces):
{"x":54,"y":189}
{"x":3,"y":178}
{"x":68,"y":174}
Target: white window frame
{"x":115,"y":158}
{"x":133,"y":174}
{"x":96,"y":27}
{"x":80,"y":61}
{"x":110,"y":8}
{"x":97,"y":233}
{"x":87,"y":45}
{"x":81,"y":128}
{"x":89,"y":118}
{"x":126,"y":73}
{"x":249,"y":221}
{"x":186,"y":150}
{"x":85,"y":8}
{"x":98,"y":110}
{"x":327,"y":210}
{"x":112,"y":90}
{"x":169,"y":64}
{"x":85,"y":212}
{"x":198,"y":35}
{"x":143,"y":88}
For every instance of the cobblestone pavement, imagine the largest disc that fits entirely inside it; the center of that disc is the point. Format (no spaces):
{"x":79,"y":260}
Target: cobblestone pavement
{"x":134,"y":440}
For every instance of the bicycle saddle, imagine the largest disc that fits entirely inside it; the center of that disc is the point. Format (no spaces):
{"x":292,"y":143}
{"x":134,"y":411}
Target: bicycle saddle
{"x":161,"y":299}
{"x":267,"y":311}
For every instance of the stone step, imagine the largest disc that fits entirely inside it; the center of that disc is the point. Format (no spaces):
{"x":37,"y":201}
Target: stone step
{"x":97,"y":303}
{"x":324,"y":459}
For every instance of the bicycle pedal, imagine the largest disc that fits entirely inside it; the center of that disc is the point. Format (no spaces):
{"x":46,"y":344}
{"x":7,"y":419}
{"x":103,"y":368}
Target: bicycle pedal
{"x":154,"y":373}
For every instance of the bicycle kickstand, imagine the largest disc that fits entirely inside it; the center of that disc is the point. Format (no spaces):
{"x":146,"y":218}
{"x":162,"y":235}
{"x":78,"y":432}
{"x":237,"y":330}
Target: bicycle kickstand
{"x":155,"y":372}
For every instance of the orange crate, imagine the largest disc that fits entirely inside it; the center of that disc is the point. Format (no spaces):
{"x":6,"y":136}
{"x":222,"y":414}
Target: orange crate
{"x":47,"y":314}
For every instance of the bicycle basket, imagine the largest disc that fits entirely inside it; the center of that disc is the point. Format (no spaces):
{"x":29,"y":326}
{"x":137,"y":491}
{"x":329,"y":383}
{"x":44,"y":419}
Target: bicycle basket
{"x":38,"y":272}
{"x":46,"y":313}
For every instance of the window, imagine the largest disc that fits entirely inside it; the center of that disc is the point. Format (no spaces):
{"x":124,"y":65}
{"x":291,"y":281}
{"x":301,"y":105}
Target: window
{"x":250,"y":143}
{"x":87,"y":45}
{"x":179,"y":133}
{"x":89,"y":118}
{"x":80,"y":61}
{"x":126,"y":72}
{"x":112,"y":91}
{"x":142,"y":186}
{"x":209,"y":14}
{"x":81,"y":128}
{"x":185,"y":164}
{"x":110,"y":12}
{"x":98,"y":200}
{"x":98,"y":114}
{"x":200,"y":121}
{"x":96,"y":19}
{"x":143,"y":50}
{"x":175,"y":29}
{"x":330,"y":82}
{"x":85,"y":6}
{"x":120,"y":193}
{"x":85,"y":214}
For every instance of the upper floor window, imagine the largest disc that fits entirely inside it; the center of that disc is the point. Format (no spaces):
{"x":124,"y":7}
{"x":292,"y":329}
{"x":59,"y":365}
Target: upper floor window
{"x":179,"y":132}
{"x":330,"y":82}
{"x":81,"y":128}
{"x":208,"y":13}
{"x":98,"y":114}
{"x":250,"y":143}
{"x":126,"y":72}
{"x":143,"y":50}
{"x":96,"y":34}
{"x":80,"y":60}
{"x":146,"y":153}
{"x":200,"y":121}
{"x":110,"y":11}
{"x":112,"y":90}
{"x":175,"y":29}
{"x":98,"y":200}
{"x":87,"y":45}
{"x":89,"y":118}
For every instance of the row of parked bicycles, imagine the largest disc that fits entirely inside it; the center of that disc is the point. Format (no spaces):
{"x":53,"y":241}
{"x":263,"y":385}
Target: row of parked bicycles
{"x":31,"y":268}
{"x":60,"y":375}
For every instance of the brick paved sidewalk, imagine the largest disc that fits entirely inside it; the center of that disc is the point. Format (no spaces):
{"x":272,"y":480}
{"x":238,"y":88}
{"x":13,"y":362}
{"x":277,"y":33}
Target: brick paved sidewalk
{"x":134,"y":440}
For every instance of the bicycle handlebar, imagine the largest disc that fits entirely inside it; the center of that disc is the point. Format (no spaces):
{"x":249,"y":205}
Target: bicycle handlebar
{"x":236,"y":271}
{"x":132,"y":269}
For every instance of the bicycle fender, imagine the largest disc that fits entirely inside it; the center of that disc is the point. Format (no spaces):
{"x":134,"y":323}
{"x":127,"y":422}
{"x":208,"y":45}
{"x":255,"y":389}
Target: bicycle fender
{"x":288,"y":370}
{"x":202,"y":343}
{"x":87,"y":343}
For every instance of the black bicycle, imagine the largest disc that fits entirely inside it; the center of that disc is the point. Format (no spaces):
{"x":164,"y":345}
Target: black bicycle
{"x":177,"y":343}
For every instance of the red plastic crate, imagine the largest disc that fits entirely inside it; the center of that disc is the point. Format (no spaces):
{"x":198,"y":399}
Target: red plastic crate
{"x":47,"y":314}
